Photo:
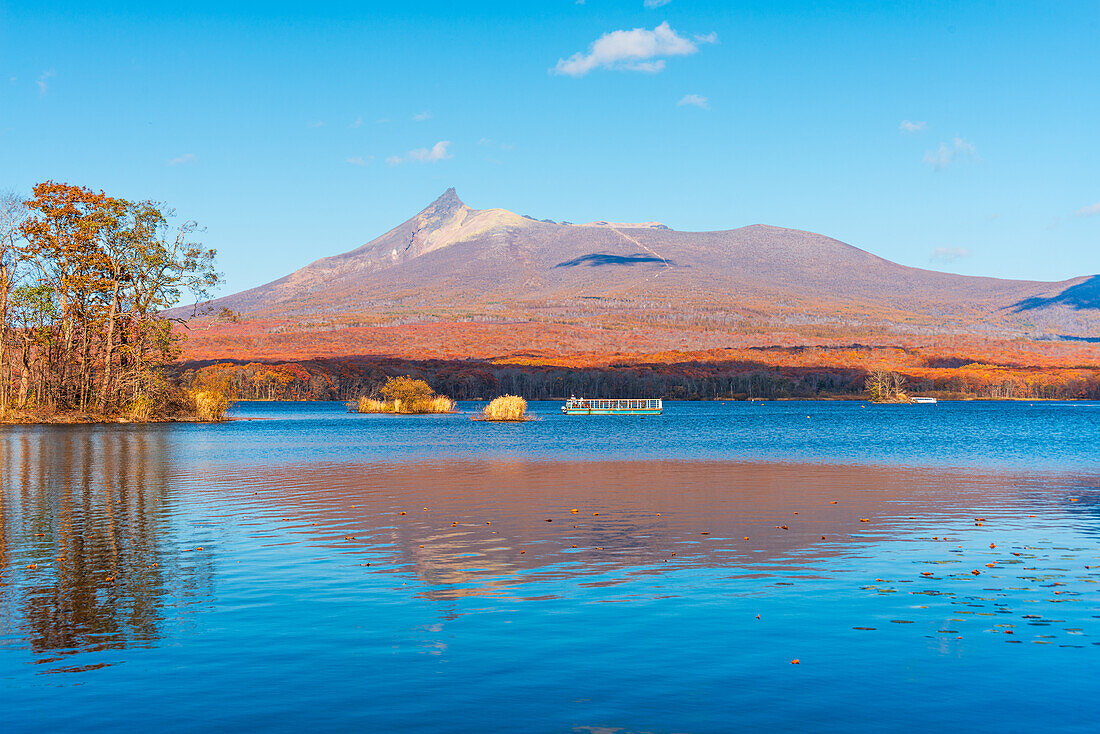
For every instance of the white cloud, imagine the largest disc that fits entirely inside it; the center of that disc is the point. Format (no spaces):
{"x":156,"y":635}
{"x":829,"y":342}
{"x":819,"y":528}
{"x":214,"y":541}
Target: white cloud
{"x":358,"y":160}
{"x":43,"y":82}
{"x":358,"y":123}
{"x":656,"y":3}
{"x":635,"y":50}
{"x":946,"y":255}
{"x":948,"y":153}
{"x":316,"y":123}
{"x":180,"y":160}
{"x":694,"y":100}
{"x":1089,"y":211}
{"x":437,"y":152}
{"x":421,"y":116}
{"x":908,"y":126}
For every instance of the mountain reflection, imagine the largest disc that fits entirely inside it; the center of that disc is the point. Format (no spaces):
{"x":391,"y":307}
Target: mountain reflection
{"x":86,"y":559}
{"x":477,"y":528}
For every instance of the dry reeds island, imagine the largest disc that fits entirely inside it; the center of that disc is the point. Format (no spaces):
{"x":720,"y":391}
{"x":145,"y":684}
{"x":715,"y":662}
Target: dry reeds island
{"x":406,"y":396}
{"x":506,"y":408}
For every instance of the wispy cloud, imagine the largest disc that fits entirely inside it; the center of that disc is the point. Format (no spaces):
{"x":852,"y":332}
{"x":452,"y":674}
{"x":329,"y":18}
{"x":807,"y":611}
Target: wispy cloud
{"x":180,"y":160}
{"x":43,"y":81}
{"x":358,"y":160}
{"x":422,"y":116}
{"x":694,"y":100}
{"x":944,"y":255}
{"x":635,"y":50}
{"x":656,"y":3}
{"x":948,"y":153}
{"x":316,"y":123}
{"x":490,"y":143}
{"x":358,"y":123}
{"x":437,"y":152}
{"x":1089,"y":211}
{"x":910,"y":126}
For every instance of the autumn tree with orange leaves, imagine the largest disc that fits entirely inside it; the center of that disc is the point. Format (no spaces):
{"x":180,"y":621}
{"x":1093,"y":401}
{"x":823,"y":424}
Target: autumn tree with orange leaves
{"x":84,"y":279}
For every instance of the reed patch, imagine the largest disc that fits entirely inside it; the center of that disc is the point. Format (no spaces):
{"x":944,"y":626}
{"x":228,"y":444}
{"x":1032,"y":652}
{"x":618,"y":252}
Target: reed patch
{"x":506,"y":408}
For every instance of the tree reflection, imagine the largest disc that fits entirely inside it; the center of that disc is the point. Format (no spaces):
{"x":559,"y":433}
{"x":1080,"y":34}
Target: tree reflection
{"x":88,"y":558}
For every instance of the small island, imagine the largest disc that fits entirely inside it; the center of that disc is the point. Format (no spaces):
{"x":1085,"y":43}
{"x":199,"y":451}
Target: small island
{"x":405,"y":396}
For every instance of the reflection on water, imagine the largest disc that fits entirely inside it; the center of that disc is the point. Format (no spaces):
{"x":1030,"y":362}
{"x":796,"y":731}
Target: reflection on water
{"x":182,"y":584}
{"x":479,"y":527}
{"x":86,"y":541}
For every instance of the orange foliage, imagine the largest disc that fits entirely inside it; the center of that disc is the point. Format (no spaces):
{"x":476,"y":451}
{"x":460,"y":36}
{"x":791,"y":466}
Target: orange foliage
{"x":953,"y":364}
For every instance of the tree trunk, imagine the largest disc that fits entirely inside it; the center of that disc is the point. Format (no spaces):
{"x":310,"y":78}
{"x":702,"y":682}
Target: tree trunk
{"x":108,"y":352}
{"x":4,"y":373}
{"x":24,"y":375}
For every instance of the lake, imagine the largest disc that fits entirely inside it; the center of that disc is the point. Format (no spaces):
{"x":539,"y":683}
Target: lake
{"x":809,"y":566}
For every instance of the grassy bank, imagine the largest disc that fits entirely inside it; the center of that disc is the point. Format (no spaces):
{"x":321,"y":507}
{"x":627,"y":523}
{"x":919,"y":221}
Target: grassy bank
{"x":194,"y":406}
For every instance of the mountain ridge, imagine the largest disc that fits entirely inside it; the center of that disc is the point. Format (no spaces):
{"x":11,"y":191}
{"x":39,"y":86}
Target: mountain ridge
{"x":450,"y":261}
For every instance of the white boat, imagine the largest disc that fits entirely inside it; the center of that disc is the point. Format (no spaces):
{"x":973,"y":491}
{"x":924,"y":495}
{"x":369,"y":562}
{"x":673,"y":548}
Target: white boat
{"x":584,"y":406}
{"x":924,"y":401}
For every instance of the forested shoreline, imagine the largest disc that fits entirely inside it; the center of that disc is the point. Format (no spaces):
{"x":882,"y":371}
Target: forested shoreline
{"x":84,"y":279}
{"x":351,"y":378}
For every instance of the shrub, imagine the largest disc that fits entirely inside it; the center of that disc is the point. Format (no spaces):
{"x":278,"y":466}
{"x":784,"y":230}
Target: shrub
{"x":210,"y":405}
{"x":506,"y":408}
{"x":407,"y":390}
{"x":141,"y":408}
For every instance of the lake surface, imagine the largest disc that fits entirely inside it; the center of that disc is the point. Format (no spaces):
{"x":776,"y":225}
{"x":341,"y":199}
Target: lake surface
{"x":928,"y":567}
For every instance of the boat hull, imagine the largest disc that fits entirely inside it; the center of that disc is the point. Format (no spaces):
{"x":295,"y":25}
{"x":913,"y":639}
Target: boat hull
{"x":598,"y":411}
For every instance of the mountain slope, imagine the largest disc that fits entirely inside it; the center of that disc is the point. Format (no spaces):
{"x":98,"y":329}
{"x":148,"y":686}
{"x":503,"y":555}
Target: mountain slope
{"x":453,"y":262}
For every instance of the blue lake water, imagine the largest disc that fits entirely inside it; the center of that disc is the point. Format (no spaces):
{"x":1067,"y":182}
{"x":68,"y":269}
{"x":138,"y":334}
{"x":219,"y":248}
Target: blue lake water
{"x":926,"y":566}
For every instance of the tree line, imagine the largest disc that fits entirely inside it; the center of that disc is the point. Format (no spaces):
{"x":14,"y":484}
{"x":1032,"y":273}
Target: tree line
{"x":84,"y":281}
{"x":350,"y":378}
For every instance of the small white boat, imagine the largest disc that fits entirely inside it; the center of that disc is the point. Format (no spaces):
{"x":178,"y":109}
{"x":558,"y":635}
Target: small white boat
{"x":924,"y":401}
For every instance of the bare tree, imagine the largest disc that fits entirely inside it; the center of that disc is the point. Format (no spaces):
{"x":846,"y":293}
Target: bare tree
{"x":886,"y":387}
{"x":12,"y":214}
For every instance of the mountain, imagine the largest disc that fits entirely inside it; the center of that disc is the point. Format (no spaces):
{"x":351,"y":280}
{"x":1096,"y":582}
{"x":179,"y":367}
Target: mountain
{"x":453,"y":263}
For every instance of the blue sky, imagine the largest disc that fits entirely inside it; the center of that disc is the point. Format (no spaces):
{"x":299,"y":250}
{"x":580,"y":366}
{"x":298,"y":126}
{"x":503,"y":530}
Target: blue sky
{"x":297,"y":130}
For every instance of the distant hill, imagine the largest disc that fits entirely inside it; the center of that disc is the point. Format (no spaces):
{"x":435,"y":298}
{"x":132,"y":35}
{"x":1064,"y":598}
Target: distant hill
{"x":453,"y":263}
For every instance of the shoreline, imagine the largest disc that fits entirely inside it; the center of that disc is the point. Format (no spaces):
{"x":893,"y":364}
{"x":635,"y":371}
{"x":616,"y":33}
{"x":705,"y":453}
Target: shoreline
{"x":82,"y":420}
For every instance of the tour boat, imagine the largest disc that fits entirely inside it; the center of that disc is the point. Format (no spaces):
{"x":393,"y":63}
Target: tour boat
{"x":924,"y":400}
{"x":621,"y":406}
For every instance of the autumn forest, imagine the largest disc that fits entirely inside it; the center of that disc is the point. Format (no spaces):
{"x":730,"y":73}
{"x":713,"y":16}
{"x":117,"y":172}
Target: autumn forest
{"x":84,"y":278}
